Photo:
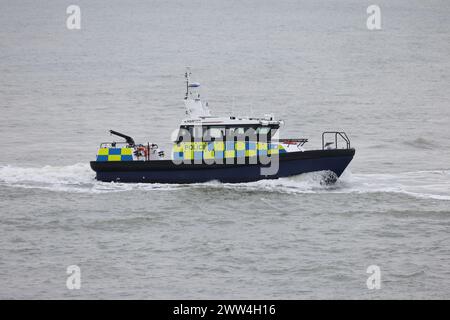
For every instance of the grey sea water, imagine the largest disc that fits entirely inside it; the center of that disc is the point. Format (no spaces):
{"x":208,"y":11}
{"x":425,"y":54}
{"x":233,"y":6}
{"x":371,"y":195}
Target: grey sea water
{"x":312,"y":63}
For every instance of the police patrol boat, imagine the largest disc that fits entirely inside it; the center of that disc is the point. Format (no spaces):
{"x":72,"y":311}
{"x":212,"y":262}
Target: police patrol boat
{"x":227,"y":149}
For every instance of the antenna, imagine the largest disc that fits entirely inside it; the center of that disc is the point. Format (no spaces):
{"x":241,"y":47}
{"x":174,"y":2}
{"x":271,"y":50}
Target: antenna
{"x":187,"y":75}
{"x":231,"y":112}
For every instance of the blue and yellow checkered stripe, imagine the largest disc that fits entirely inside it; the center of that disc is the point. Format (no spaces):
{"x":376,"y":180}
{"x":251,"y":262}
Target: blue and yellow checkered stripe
{"x":221,"y":149}
{"x":115,"y":154}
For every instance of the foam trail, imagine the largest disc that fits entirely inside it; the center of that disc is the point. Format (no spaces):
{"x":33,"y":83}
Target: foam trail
{"x":433,"y":184}
{"x":74,"y":174}
{"x":79,"y":178}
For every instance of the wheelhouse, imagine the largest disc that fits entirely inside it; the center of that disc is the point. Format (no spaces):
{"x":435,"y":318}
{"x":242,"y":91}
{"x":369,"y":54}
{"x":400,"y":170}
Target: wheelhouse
{"x":217,"y":138}
{"x":224,"y":132}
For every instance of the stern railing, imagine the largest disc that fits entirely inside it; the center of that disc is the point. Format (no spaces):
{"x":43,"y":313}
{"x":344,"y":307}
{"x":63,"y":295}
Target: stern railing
{"x":337,"y":134}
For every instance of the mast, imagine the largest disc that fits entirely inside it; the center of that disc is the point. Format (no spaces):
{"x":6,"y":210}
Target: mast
{"x":194,"y":106}
{"x":187,"y":75}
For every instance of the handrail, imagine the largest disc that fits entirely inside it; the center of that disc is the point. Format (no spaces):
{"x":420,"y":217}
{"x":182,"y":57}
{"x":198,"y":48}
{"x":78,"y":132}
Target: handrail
{"x":341,"y":134}
{"x":113,"y":143}
{"x":298,"y":141}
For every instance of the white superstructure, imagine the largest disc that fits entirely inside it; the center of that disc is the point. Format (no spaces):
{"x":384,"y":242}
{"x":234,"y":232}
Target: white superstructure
{"x":199,"y":115}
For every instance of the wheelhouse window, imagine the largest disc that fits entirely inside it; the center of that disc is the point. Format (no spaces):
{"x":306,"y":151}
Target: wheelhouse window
{"x":267,"y":132}
{"x":189,"y":133}
{"x":263,"y":130}
{"x":213,"y":133}
{"x":183,"y":134}
{"x":216,"y":133}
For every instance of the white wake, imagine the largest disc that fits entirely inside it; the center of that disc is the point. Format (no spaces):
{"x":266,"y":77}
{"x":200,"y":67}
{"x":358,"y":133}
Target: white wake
{"x":79,"y":178}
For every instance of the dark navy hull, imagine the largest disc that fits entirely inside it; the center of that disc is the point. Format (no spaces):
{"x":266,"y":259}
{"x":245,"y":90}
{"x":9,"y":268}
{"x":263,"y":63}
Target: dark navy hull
{"x":165,"y":171}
